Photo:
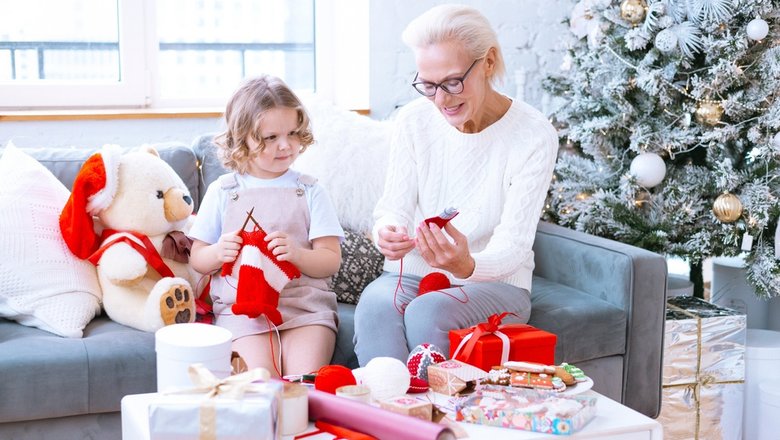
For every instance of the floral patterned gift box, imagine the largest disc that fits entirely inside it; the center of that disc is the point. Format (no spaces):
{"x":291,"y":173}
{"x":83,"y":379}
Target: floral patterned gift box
{"x":525,"y":409}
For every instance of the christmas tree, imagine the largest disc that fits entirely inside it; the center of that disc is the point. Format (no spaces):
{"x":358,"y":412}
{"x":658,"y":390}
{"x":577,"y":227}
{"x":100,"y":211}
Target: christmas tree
{"x":670,"y":125}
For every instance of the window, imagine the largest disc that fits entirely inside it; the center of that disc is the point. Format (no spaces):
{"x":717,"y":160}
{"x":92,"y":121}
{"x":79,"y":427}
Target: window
{"x":170,"y":53}
{"x":60,"y":53}
{"x":211,"y":45}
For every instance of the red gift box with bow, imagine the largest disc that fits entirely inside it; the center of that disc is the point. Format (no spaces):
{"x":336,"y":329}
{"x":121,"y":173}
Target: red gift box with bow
{"x":490,"y":343}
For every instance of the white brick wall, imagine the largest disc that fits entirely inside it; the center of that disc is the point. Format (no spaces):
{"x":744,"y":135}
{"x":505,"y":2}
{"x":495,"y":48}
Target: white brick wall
{"x":528,"y":31}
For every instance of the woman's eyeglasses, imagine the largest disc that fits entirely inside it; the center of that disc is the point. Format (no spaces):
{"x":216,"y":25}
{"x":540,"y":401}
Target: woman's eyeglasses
{"x":453,"y":86}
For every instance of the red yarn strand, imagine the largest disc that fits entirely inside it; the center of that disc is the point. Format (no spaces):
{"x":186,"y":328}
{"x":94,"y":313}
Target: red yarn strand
{"x":402,"y":309}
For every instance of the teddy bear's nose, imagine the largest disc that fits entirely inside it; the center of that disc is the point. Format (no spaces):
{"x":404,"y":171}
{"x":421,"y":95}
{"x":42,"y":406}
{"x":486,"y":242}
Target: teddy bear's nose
{"x":187,"y":199}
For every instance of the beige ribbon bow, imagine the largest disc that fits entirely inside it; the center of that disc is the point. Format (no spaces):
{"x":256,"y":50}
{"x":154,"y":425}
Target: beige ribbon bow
{"x":232,"y":387}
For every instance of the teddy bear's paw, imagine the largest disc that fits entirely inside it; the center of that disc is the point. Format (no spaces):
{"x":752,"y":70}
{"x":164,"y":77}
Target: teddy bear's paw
{"x":177,"y":305}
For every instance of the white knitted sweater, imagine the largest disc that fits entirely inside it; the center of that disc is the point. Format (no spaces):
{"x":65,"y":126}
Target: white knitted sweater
{"x":497,"y":179}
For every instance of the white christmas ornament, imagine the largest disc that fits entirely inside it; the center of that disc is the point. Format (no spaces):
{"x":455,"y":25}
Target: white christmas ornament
{"x":649,"y":169}
{"x":776,"y":140}
{"x":666,"y":41}
{"x":757,"y":29}
{"x":386,"y":377}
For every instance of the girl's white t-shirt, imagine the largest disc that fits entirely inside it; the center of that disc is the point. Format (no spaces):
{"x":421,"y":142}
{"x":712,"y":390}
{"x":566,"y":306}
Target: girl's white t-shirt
{"x":208,"y":221}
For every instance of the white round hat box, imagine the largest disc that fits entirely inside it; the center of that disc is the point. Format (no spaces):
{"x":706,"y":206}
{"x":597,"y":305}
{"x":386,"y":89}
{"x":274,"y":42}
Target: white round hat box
{"x":769,"y":412}
{"x":180,"y":345}
{"x":762,"y":362}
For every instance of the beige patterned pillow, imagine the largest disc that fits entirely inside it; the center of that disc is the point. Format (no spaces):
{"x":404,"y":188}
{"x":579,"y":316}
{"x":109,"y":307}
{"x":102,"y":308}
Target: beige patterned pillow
{"x":361,"y":263}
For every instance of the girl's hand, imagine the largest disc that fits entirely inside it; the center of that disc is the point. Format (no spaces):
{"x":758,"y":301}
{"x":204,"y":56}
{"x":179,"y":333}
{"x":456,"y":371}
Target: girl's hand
{"x":439,"y":252}
{"x":282,"y":247}
{"x":394,"y":242}
{"x":227,"y":246}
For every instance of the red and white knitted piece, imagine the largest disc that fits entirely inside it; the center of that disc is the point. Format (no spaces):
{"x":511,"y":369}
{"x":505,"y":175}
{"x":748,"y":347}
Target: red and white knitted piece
{"x":423,"y":356}
{"x":261,"y":277}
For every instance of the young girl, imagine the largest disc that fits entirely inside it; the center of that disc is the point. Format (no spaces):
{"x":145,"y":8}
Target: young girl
{"x":267,"y":128}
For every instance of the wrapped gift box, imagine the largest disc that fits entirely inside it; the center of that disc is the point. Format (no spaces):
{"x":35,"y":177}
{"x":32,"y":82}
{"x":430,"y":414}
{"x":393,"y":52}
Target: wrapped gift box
{"x":529,"y":410}
{"x":451,"y":377}
{"x":184,"y":417}
{"x":525,"y":343}
{"x":703,"y":372}
{"x":236,"y":407}
{"x":409,"y":406}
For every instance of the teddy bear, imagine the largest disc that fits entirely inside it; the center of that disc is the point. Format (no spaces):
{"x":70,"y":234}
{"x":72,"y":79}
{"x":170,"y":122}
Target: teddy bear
{"x":126,"y":214}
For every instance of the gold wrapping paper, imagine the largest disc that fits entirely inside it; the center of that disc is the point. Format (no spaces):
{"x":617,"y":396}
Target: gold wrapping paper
{"x":704,"y":371}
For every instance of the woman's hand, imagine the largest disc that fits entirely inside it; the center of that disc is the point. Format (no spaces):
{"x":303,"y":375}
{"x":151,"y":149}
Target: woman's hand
{"x":280,"y":244}
{"x":394,"y":242}
{"x":227,"y":247}
{"x":439,"y":252}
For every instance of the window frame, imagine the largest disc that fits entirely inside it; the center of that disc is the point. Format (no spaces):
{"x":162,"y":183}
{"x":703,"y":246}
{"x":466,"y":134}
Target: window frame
{"x":131,"y":91}
{"x":341,"y":65}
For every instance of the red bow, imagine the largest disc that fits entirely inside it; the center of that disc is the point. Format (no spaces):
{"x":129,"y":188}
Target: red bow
{"x":490,"y":326}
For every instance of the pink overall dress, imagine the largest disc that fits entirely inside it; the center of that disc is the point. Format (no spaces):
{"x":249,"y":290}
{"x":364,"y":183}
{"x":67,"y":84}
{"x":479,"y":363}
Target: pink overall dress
{"x":304,"y":300}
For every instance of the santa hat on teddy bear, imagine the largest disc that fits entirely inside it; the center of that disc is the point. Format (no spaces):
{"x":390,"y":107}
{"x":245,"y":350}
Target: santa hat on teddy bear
{"x":93,"y":191}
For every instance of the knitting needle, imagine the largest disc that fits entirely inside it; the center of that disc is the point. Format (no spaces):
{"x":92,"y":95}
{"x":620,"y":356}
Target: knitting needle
{"x":257,"y":225}
{"x":248,"y":216}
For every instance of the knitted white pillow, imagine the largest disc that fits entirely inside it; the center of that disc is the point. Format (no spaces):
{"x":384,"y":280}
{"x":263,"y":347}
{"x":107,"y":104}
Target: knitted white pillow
{"x":42,"y":284}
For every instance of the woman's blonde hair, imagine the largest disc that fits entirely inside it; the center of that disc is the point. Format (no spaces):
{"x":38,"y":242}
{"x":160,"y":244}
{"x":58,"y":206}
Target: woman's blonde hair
{"x":242,"y":117}
{"x":458,"y":23}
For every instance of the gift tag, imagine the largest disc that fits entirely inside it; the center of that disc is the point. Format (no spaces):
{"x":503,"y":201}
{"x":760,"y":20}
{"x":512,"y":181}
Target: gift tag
{"x":747,"y":242}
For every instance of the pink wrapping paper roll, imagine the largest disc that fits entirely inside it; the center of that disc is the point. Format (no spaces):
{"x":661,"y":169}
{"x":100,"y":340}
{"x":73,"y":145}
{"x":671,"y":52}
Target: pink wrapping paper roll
{"x":371,"y":420}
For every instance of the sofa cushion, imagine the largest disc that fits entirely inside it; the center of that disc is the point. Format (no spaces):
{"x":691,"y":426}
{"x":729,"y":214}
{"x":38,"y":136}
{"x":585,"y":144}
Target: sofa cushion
{"x":587,"y":327}
{"x":344,"y":352}
{"x":210,"y":165}
{"x":361,"y":263}
{"x":67,"y":297}
{"x":65,"y":163}
{"x":49,"y":376}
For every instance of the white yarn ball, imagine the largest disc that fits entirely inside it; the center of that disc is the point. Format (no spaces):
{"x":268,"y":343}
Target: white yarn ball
{"x":649,"y":169}
{"x":666,"y":41}
{"x":358,"y":373}
{"x":386,"y":377}
{"x":757,"y":29}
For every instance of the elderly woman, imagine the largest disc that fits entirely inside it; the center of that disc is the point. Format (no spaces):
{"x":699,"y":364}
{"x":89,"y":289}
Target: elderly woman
{"x":463,"y":145}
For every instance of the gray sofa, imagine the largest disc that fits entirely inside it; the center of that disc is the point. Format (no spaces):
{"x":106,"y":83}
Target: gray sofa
{"x":605,"y":301}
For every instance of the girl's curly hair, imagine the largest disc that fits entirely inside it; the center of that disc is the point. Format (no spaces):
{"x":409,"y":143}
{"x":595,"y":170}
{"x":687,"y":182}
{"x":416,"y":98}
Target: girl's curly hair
{"x":242,"y":116}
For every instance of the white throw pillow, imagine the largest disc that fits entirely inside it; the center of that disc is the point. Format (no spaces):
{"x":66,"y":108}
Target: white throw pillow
{"x":349,"y":159}
{"x":42,"y":284}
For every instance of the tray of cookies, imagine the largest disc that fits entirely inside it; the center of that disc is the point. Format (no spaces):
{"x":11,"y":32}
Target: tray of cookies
{"x":564,"y":378}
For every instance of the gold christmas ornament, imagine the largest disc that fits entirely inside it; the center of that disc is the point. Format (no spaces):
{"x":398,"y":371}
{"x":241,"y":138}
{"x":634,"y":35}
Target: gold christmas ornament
{"x":641,"y":198}
{"x":582,"y":196}
{"x":709,"y":112}
{"x":633,"y":11}
{"x":727,"y":208}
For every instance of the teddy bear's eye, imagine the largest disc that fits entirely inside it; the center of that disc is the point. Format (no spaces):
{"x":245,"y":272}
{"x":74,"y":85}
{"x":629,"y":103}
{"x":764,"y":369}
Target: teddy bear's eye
{"x":160,"y":194}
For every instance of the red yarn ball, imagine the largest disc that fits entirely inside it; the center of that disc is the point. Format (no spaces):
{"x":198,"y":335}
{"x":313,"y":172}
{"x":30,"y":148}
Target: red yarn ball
{"x":331,"y":377}
{"x":434,"y":281}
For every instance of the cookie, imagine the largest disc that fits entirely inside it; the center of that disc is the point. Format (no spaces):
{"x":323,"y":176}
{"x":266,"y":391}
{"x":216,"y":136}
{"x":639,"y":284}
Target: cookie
{"x":542,"y":381}
{"x":529,"y":367}
{"x":579,"y":376}
{"x":497,"y":375}
{"x":565,"y":376}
